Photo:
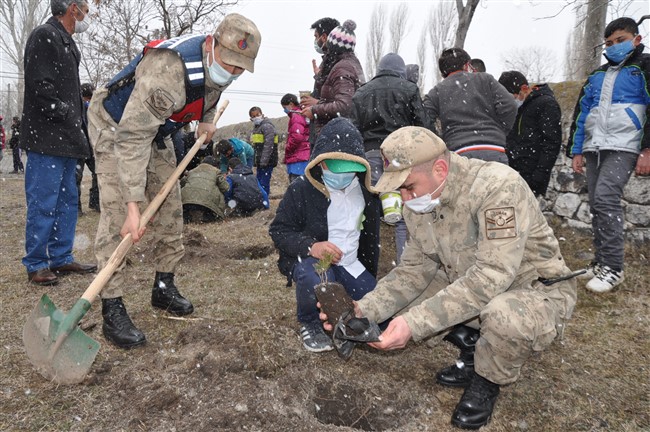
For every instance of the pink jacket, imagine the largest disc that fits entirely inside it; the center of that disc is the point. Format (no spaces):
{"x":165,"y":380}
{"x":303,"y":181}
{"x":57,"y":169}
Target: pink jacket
{"x":297,"y":149}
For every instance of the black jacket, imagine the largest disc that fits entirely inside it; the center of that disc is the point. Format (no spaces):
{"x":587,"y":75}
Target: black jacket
{"x":246,"y":190}
{"x":52,"y":113}
{"x":385,"y":104}
{"x":534,"y":141}
{"x":14,"y":141}
{"x":301,"y":218}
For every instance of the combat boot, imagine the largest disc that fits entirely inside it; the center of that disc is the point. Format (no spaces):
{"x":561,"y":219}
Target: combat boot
{"x":477,"y":403}
{"x":165,"y":296}
{"x":118,"y":327}
{"x":460,"y":374}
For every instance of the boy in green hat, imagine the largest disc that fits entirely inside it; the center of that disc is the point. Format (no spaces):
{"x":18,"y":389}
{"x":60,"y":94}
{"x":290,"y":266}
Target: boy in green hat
{"x":331,"y":210}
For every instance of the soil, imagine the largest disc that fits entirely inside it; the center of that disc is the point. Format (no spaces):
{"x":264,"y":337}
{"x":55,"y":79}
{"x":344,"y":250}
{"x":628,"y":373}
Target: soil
{"x":237,"y":363}
{"x":334,"y":300}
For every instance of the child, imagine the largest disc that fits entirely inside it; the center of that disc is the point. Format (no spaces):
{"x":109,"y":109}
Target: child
{"x":610,"y":135}
{"x":245,"y":195}
{"x":265,"y":143}
{"x":233,"y":147}
{"x":296,"y":152}
{"x":329,"y":211}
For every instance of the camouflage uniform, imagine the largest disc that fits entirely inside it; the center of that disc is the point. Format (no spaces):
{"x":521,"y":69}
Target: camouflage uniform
{"x":476,"y":260}
{"x":129,"y":165}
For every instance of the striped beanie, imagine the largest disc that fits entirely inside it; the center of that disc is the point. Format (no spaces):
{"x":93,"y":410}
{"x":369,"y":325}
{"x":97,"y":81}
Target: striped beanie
{"x":342,"y":38}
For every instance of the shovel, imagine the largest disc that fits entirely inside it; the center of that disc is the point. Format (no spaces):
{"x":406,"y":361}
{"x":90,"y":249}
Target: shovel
{"x":55,"y":345}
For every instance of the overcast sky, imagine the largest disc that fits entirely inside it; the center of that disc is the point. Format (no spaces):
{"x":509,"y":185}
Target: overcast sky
{"x":284,"y":61}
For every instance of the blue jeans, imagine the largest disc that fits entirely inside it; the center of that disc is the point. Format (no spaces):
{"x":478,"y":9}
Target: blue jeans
{"x":264,"y":177}
{"x":306,"y":279}
{"x":51,"y":193}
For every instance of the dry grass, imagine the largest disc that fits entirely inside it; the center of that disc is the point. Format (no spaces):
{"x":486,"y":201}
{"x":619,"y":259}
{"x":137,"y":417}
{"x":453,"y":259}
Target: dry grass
{"x":238,"y":365}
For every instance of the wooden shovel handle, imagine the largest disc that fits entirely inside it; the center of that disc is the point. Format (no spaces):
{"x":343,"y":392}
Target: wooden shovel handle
{"x":120,"y":252}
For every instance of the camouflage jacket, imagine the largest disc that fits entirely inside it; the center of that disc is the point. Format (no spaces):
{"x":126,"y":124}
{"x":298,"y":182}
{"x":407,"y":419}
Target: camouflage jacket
{"x":488,"y":236}
{"x":159,"y":92}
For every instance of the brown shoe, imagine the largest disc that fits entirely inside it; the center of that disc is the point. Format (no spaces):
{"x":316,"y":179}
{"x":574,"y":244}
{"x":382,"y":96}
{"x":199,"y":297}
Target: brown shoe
{"x":74,"y":267}
{"x":42,"y":277}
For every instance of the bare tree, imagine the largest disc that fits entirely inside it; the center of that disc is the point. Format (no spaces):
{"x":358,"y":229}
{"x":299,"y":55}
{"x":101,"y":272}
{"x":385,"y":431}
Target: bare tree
{"x":398,"y":26}
{"x":465,"y":15}
{"x":375,"y":43}
{"x":183,"y":16}
{"x":121,"y":28}
{"x":441,"y":24}
{"x":595,"y":22}
{"x":17,"y":20}
{"x":422,"y":60}
{"x":573,"y":54}
{"x":537,"y":63}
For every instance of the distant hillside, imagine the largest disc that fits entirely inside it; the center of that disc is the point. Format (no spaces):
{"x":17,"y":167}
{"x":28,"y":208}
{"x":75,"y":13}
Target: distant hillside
{"x":565,"y":92}
{"x":243,"y":130}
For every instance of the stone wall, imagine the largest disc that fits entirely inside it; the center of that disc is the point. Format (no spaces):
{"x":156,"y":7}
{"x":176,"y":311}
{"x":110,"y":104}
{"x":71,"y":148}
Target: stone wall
{"x":567,"y":197}
{"x":567,"y":192}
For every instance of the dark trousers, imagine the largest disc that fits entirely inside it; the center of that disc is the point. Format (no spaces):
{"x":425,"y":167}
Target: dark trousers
{"x":93,"y":200}
{"x":18,"y":163}
{"x":607,"y":174}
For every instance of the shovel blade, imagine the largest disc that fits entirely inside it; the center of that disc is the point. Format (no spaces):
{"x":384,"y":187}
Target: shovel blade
{"x":70,"y":362}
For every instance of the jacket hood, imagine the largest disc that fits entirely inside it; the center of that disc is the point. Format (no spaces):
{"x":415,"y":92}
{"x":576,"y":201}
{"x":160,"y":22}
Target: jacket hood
{"x":242,"y":169}
{"x":392,"y":62}
{"x":339,"y":139}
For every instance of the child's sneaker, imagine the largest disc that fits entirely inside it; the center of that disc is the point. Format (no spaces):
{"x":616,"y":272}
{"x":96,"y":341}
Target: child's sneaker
{"x":605,"y":280}
{"x":593,"y":269}
{"x":314,"y":338}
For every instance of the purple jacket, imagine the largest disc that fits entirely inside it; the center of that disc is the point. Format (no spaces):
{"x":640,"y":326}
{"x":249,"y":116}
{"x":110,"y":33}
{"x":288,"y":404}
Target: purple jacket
{"x":297,"y":149}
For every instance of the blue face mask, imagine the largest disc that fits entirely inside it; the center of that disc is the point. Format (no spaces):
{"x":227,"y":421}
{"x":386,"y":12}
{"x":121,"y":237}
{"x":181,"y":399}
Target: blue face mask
{"x":218,"y":74}
{"x":618,"y":52}
{"x":338,"y":180}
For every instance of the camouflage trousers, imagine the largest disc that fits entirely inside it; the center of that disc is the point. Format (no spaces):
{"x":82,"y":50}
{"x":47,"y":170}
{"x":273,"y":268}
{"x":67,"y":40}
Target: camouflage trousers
{"x":513,"y":326}
{"x":166,"y":227}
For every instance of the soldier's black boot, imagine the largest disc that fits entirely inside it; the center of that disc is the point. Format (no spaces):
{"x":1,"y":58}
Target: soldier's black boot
{"x":165,"y":296}
{"x":118,"y":327}
{"x":460,"y":374}
{"x":476,"y":405}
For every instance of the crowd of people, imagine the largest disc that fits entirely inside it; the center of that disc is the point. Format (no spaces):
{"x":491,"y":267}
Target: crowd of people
{"x":477,"y":265}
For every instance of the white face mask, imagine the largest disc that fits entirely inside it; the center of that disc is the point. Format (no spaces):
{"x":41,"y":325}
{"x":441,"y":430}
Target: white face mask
{"x":218,"y":74}
{"x":424,"y":204}
{"x":82,"y":26}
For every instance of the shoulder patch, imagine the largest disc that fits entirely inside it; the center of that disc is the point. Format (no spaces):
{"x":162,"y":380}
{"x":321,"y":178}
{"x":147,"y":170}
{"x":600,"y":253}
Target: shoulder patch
{"x":160,"y":103}
{"x":500,"y":223}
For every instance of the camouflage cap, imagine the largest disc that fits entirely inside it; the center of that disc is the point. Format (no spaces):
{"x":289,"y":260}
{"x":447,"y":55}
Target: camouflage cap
{"x":402,"y":150}
{"x":239,"y":40}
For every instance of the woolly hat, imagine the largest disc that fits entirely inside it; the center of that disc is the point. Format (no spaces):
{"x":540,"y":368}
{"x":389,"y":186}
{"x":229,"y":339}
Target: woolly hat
{"x":393,"y":63}
{"x":342,"y":38}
